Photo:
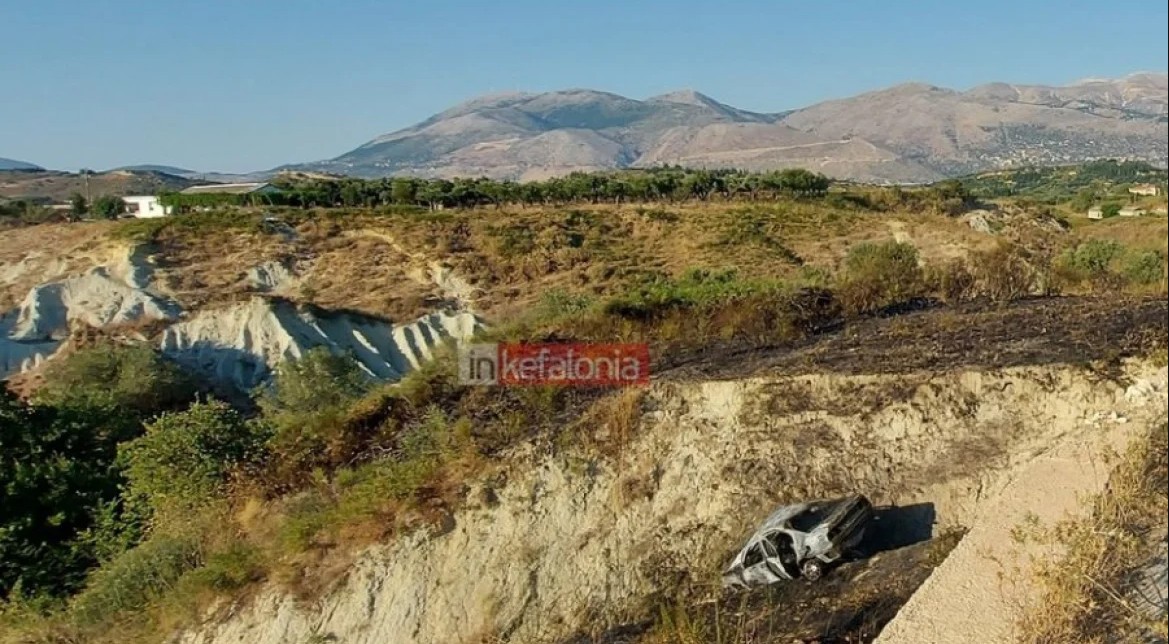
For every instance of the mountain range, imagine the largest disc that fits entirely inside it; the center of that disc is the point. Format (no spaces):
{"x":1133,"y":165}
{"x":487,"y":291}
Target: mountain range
{"x":909,"y":133}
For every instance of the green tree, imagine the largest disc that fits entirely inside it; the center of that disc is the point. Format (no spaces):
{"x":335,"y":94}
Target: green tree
{"x":108,"y":206}
{"x":78,"y":204}
{"x":404,"y":191}
{"x":1084,"y":199}
{"x":57,"y":475}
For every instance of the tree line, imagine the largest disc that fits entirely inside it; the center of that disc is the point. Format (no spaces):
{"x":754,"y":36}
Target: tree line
{"x":671,"y":184}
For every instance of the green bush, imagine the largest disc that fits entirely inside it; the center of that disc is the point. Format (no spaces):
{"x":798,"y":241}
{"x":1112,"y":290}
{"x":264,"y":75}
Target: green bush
{"x":557,"y":304}
{"x":133,"y":378}
{"x":696,"y":288}
{"x":307,"y":404}
{"x":1093,"y":257}
{"x":1146,"y":267}
{"x":184,"y":459}
{"x":108,"y":207}
{"x":879,"y":275}
{"x":133,"y":579}
{"x":236,"y":566}
{"x":365,"y":491}
{"x":317,"y":379}
{"x":1110,"y":210}
{"x":57,"y":480}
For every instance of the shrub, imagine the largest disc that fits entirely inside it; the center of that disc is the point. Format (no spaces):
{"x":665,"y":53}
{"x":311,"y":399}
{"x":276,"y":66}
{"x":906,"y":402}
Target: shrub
{"x":317,"y":379}
{"x":557,"y":304}
{"x":1109,"y":210}
{"x":1003,"y":274}
{"x":133,"y":378}
{"x":108,"y":207}
{"x":879,"y":275}
{"x":697,"y":287}
{"x":184,"y":458}
{"x":134,"y":578}
{"x":1093,"y":257}
{"x":57,"y":479}
{"x":953,"y":281}
{"x":307,"y":404}
{"x":1146,"y":267}
{"x":237,"y":565}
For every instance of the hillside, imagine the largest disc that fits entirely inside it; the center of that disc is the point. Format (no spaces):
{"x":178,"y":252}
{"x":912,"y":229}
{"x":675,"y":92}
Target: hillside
{"x":352,"y":489}
{"x":53,"y":186}
{"x":12,"y":164}
{"x":1059,"y":183}
{"x":907,"y":134}
{"x":998,"y":125}
{"x":150,"y":167}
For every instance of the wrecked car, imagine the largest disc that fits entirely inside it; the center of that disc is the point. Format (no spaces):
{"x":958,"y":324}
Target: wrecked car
{"x":800,"y":540}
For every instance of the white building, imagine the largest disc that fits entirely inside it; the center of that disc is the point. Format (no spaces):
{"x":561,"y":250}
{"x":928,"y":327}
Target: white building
{"x":145,"y":206}
{"x":1095,"y":212}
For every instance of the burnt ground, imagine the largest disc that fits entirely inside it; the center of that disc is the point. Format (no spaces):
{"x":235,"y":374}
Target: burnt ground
{"x":852,"y":603}
{"x":1053,"y":330}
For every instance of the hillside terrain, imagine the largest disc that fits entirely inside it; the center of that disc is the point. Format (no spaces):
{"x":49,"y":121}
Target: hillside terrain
{"x":949,"y":358}
{"x":910,"y":133}
{"x":51,"y":186}
{"x":13,"y":164}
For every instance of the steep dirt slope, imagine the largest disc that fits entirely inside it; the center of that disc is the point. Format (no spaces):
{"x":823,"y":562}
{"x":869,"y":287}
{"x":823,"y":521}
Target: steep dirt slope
{"x":569,"y":543}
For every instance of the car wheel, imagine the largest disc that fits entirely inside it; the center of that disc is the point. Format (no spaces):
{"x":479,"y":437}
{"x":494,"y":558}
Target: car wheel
{"x":812,"y":569}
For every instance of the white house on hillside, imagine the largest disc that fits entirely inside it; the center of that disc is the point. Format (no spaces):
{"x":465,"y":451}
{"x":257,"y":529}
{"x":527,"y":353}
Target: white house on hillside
{"x":145,"y":206}
{"x":1146,"y":189}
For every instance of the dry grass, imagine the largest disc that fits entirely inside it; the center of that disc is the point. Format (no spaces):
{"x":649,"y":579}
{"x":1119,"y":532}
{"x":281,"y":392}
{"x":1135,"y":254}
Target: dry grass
{"x":1086,"y":596}
{"x":1141,"y":233}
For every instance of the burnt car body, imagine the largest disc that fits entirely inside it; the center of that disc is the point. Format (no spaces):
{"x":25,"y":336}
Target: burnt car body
{"x":800,"y":540}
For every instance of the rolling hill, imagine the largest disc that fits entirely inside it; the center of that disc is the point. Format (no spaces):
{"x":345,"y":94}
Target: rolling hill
{"x":13,"y":164}
{"x":54,"y":186}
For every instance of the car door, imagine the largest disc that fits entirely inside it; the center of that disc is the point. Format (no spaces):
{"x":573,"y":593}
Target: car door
{"x":758,"y":570}
{"x":782,"y":555}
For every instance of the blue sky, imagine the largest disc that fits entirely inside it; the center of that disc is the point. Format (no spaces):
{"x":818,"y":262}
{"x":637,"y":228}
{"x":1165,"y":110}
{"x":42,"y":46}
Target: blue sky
{"x":247,"y":85}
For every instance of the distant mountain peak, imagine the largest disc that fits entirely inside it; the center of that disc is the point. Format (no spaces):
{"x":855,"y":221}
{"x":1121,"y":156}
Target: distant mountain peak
{"x":685,"y":97}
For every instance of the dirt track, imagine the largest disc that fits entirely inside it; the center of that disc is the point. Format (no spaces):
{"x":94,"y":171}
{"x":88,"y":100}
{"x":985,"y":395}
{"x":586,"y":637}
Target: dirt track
{"x":976,"y":594}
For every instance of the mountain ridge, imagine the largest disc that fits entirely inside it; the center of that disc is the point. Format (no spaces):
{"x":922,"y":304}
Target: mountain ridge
{"x":908,"y":133}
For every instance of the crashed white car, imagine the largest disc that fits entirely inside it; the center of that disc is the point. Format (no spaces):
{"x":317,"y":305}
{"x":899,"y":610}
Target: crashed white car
{"x":800,"y":541}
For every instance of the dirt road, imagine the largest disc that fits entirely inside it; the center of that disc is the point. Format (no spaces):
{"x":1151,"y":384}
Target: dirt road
{"x":977,"y":593}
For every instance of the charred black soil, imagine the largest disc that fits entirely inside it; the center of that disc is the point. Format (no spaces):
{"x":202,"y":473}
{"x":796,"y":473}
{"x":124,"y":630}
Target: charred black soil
{"x":1057,"y":330}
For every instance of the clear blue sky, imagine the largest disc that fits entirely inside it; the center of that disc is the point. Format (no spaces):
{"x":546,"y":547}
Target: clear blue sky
{"x":247,"y":85}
